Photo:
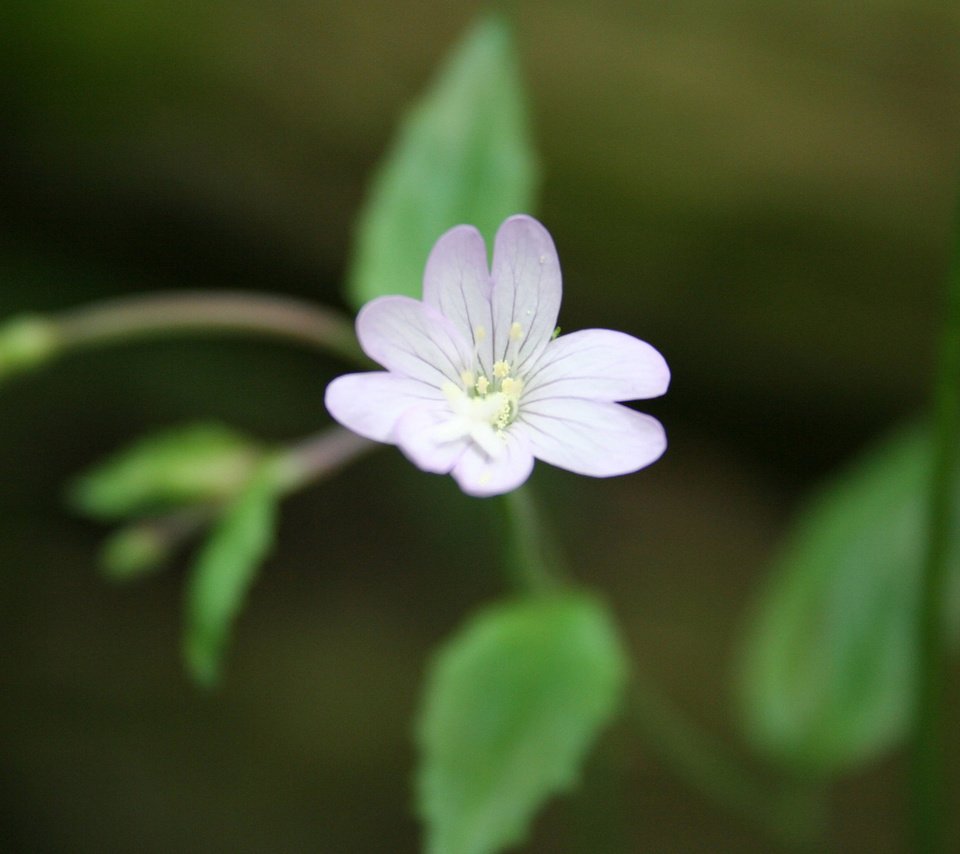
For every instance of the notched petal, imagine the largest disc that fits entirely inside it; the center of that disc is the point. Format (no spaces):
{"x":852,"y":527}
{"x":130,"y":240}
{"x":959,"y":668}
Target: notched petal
{"x":371,"y":404}
{"x":481,"y":475}
{"x":430,"y":438}
{"x":457,"y":283}
{"x":598,"y":364}
{"x":592,"y":438}
{"x":412,"y":339}
{"x":526,"y":291}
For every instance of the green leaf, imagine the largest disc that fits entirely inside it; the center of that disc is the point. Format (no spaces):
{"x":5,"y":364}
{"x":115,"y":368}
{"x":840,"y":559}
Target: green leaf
{"x":513,"y":704}
{"x":224,"y":572}
{"x":133,"y":552}
{"x":463,"y":155}
{"x":147,"y":545}
{"x":26,"y":343}
{"x":187,"y":465}
{"x":828,"y":664}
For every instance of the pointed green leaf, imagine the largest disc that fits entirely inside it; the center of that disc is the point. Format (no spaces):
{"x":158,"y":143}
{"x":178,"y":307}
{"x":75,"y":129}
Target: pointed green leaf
{"x":827,"y":670}
{"x":225,"y":570}
{"x":463,"y":155}
{"x":201,"y":462}
{"x":513,"y":703}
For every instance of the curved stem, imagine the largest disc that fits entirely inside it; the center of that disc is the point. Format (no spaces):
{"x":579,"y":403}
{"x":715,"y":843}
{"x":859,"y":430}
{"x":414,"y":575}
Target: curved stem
{"x":320,"y":456}
{"x":928,"y":786}
{"x":787,"y":812}
{"x":147,"y":544}
{"x":179,"y":313}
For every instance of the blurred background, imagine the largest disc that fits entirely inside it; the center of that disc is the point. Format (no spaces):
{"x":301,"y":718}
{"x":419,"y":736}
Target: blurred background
{"x":762,"y":189}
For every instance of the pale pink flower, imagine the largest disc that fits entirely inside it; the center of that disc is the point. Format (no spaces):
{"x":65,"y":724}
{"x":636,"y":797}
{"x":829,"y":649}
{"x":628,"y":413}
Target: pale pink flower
{"x":476,"y":382}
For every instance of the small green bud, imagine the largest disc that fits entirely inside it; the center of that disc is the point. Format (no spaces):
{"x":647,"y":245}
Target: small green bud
{"x":192,"y":465}
{"x":26,"y":342}
{"x":133,"y":552}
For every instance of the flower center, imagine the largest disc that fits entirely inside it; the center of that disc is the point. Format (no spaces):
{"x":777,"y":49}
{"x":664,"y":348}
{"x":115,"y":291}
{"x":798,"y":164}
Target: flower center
{"x":483,"y":407}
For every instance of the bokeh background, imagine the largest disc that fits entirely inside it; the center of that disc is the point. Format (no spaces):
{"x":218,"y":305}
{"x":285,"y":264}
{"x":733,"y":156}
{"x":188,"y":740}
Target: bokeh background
{"x":763,"y":189}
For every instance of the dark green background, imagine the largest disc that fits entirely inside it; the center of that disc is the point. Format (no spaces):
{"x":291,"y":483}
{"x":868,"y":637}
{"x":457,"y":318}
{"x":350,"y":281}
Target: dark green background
{"x":762,"y":189}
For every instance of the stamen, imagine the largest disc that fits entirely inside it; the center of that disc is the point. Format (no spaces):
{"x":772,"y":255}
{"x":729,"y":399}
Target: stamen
{"x":479,"y":334}
{"x":511,"y":386}
{"x":504,"y":418}
{"x":501,"y":369}
{"x":451,"y":392}
{"x":467,"y":378}
{"x":516,"y":331}
{"x":482,"y":385}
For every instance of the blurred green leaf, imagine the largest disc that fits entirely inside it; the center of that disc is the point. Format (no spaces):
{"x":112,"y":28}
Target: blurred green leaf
{"x":827,"y":670}
{"x":512,"y":706}
{"x":462,"y":155}
{"x":133,"y":552}
{"x":187,"y":465}
{"x":26,"y":343}
{"x":224,"y":572}
{"x":147,"y":545}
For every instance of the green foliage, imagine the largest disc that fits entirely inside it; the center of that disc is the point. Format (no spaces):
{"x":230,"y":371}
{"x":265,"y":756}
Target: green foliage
{"x":463,"y":155}
{"x":26,"y":343}
{"x":828,"y":668}
{"x":225,"y":570}
{"x":133,"y":552}
{"x":187,"y":465}
{"x":512,"y":706}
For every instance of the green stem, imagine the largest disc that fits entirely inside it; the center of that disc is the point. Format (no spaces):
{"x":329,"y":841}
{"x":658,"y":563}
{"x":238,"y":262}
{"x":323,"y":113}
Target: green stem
{"x":180,"y":313}
{"x":532,"y":558}
{"x":788,"y":813}
{"x":148,"y":543}
{"x":927,"y":784}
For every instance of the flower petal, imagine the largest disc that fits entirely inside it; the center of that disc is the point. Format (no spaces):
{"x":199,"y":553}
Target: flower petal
{"x":413,"y":340}
{"x":371,"y":404}
{"x":481,"y":475}
{"x":424,"y":436}
{"x":589,"y":437}
{"x":457,"y":283}
{"x":526,"y":291}
{"x":598,"y":364}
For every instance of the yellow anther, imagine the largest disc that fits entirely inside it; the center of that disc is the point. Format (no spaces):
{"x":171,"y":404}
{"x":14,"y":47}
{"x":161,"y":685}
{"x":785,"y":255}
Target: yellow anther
{"x":482,"y":385}
{"x":516,"y":330}
{"x":467,"y":378}
{"x":503,"y":417}
{"x":511,"y":386}
{"x":479,"y":334}
{"x":501,"y":369}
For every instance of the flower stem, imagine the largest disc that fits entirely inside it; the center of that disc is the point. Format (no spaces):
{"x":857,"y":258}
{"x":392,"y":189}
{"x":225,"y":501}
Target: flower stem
{"x":927,"y":781}
{"x":147,"y":544}
{"x":787,"y":812}
{"x":191,"y":312}
{"x":320,"y":456}
{"x":531,"y":558}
